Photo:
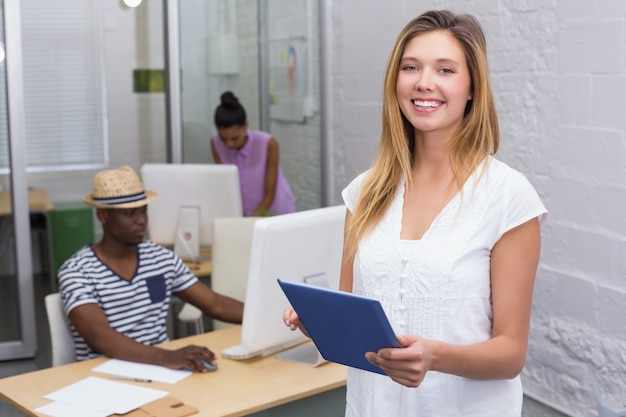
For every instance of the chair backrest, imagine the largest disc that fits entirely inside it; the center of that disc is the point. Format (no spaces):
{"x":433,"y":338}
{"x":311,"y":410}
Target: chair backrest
{"x":61,"y":340}
{"x":230,"y":257}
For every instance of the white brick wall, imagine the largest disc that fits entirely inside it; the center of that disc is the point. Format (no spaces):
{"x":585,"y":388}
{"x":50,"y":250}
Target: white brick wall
{"x":559,"y":75}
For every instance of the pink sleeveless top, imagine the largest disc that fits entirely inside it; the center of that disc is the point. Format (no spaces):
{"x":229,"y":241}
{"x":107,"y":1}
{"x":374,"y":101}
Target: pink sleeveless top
{"x":251,"y":160}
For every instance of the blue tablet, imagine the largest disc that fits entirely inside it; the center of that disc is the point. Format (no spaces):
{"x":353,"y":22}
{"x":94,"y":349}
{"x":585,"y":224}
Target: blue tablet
{"x":342,"y":325}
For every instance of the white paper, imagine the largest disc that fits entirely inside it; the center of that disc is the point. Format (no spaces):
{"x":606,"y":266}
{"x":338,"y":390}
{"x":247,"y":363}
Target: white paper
{"x":142,"y":371}
{"x":57,"y":409}
{"x":93,"y":393}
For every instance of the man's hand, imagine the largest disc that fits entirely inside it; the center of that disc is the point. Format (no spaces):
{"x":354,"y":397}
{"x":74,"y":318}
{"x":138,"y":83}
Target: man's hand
{"x":189,"y":357}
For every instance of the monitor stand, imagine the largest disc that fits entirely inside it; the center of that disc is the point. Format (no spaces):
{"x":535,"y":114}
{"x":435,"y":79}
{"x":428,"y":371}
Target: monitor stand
{"x":187,"y":245}
{"x":305,"y":353}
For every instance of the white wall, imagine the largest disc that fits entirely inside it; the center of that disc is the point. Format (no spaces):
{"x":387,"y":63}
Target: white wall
{"x":558,"y":71}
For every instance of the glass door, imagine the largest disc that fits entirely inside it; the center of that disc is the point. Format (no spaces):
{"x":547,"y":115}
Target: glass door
{"x":267,"y":53}
{"x":17,"y":312}
{"x":218,"y":51}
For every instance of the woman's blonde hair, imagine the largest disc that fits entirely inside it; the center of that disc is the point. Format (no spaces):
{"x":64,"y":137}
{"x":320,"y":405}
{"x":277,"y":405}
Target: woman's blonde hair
{"x":477,"y":137}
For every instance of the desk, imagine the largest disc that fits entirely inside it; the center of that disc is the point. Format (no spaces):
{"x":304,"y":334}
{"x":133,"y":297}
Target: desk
{"x":237,"y":388}
{"x":37,"y":201}
{"x":204,"y":268}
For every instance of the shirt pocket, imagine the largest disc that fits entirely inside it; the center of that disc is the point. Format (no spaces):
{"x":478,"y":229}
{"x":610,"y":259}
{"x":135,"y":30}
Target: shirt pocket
{"x":157,"y":288}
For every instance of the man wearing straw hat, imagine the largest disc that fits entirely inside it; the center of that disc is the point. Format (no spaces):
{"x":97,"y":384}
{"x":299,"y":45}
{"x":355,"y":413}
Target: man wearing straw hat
{"x":117,"y":291}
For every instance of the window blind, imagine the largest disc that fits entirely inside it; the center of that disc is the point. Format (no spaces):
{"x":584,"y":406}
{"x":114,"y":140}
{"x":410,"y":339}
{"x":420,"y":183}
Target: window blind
{"x":64,"y":84}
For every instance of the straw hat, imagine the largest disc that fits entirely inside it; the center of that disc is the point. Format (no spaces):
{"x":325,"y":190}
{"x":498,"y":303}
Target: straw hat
{"x":118,"y":188}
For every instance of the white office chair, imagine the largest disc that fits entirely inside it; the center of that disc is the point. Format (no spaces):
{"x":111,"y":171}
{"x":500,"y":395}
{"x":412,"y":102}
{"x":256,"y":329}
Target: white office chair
{"x":62,"y":344}
{"x":232,"y":239}
{"x":191,"y":314}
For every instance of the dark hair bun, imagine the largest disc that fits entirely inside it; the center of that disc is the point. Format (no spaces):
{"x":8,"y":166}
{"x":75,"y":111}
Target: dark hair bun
{"x":230,"y":112}
{"x":229,"y":100}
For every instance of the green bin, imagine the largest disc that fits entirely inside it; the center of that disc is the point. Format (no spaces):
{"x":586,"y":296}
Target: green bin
{"x":71,"y":228}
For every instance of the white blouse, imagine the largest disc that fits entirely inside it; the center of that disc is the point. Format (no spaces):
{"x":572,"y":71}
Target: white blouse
{"x":438,"y":287}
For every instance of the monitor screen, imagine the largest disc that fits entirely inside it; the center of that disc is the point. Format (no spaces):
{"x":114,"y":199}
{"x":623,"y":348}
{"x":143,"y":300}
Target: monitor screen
{"x":305,"y":246}
{"x":209,"y":189}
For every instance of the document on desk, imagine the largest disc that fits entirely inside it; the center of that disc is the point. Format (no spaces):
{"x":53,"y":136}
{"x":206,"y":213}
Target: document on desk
{"x":57,"y":409}
{"x":94,"y":394}
{"x":142,"y":371}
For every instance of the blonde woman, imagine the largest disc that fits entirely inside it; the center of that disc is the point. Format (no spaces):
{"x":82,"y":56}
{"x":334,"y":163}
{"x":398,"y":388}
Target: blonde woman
{"x":443,"y":234}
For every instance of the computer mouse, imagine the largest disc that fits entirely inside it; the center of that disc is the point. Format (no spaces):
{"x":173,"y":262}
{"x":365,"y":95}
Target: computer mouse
{"x":208,"y":366}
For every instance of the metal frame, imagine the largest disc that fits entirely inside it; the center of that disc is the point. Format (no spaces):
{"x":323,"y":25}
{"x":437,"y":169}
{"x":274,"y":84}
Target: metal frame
{"x":173,"y":113}
{"x":264,"y":114}
{"x":326,"y":107}
{"x":26,"y":346}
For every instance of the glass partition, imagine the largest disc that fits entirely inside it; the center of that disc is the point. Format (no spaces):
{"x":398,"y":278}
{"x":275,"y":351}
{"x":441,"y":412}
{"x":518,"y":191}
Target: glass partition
{"x":267,"y":53}
{"x":9,"y":307}
{"x":17,"y":318}
{"x":218,"y":52}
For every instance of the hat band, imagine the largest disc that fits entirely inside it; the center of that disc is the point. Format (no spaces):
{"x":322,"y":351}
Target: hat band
{"x":121,"y":200}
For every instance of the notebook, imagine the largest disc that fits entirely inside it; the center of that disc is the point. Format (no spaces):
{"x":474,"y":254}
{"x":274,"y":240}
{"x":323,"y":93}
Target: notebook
{"x":343,"y":326}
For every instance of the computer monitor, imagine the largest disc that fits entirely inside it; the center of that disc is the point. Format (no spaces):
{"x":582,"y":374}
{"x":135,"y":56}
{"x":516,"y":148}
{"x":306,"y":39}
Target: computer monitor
{"x":305,"y":246}
{"x":189,"y":197}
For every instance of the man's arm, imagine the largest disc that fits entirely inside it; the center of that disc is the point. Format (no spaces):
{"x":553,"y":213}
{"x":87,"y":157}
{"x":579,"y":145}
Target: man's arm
{"x":92,"y":325}
{"x":214,"y":305}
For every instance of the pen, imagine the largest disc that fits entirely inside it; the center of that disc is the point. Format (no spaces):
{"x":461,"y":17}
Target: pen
{"x":123,"y":378}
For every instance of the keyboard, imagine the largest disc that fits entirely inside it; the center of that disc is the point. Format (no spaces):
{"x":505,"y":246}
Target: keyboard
{"x":239,"y":352}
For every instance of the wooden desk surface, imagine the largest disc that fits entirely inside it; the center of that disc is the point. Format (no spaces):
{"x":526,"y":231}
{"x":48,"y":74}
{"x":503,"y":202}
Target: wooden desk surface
{"x":237,"y":388}
{"x":37,"y":201}
{"x":203,"y":268}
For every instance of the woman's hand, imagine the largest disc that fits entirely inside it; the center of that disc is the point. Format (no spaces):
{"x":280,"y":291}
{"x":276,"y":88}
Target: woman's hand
{"x":291,"y":320}
{"x":408,"y":364}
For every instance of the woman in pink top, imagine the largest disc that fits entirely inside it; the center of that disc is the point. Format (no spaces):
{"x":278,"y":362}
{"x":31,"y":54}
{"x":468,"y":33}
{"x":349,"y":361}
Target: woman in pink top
{"x":264,"y":189}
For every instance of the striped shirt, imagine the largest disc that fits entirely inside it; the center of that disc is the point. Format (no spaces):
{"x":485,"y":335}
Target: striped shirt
{"x":136,"y":308}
